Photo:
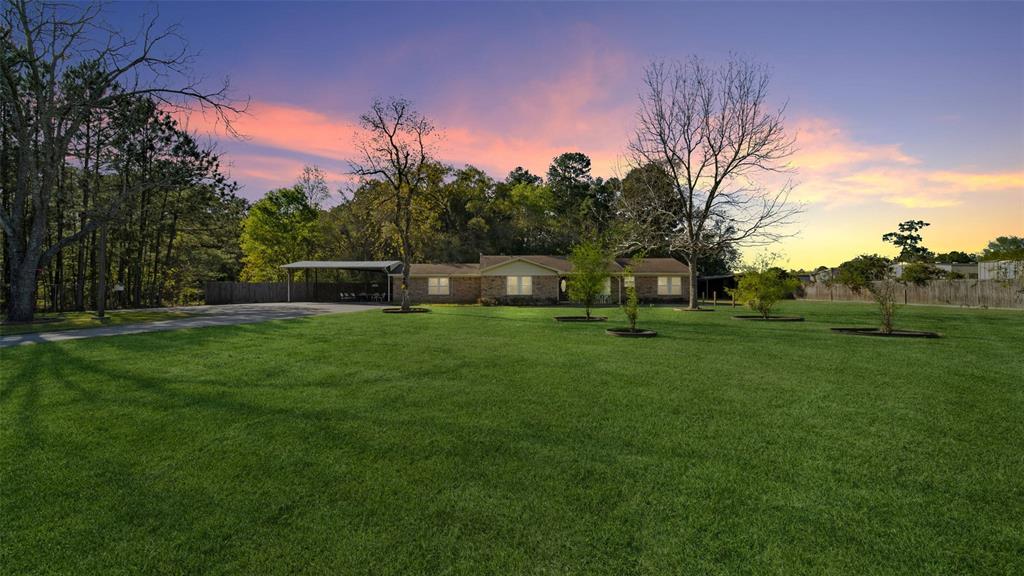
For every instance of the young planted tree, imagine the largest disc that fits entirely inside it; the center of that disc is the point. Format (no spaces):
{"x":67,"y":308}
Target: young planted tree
{"x":762,"y":285}
{"x":395,"y":146}
{"x":713,"y":133}
{"x":874,"y":274}
{"x":631,"y":308}
{"x":590,"y":263}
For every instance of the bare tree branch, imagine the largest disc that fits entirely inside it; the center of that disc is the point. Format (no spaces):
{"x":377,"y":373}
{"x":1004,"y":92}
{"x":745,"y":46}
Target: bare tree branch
{"x":711,"y":131}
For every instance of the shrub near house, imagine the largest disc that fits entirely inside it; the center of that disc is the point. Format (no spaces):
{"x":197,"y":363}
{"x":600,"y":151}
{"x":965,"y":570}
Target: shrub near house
{"x":761,"y":286}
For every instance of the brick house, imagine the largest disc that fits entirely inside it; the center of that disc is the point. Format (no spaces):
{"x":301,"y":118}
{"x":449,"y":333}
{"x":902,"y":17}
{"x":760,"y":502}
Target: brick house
{"x":537,"y":279}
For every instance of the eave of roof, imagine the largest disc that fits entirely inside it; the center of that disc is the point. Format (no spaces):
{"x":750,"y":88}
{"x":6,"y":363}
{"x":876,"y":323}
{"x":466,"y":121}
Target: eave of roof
{"x":371,"y":265}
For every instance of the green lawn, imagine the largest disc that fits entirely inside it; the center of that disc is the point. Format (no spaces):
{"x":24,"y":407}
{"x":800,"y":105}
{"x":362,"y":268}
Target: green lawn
{"x":79,"y":320}
{"x":496,"y":441}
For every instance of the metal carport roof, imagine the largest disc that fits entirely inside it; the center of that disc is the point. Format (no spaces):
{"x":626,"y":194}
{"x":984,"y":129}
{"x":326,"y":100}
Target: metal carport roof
{"x":372,"y":265}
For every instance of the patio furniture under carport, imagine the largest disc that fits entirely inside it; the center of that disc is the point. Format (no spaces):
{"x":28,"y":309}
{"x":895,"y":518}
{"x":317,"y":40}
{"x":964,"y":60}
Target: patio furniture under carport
{"x":385,"y":267}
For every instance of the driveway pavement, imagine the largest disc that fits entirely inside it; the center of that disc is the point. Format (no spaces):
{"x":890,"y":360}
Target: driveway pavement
{"x":219,"y":315}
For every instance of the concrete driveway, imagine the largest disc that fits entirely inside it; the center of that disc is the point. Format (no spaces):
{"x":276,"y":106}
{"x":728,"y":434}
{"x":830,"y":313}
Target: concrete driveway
{"x":219,"y":315}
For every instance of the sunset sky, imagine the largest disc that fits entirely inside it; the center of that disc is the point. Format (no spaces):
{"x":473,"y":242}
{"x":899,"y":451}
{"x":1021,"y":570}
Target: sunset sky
{"x":901,"y":110}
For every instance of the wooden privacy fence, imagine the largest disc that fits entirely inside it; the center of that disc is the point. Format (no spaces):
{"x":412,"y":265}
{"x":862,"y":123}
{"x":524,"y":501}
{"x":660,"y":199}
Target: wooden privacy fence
{"x":254,"y":292}
{"x":974,"y":293}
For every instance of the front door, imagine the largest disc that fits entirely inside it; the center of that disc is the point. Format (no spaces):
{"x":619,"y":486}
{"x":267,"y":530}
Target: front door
{"x":563,"y":290}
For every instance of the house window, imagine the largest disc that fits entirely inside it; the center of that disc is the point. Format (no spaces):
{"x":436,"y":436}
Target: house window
{"x":519,"y":285}
{"x":437,"y":286}
{"x":630,"y":281}
{"x":670,"y":286}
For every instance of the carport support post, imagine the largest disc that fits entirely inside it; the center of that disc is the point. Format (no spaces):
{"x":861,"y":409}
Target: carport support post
{"x":387,"y":277}
{"x":289,"y":285}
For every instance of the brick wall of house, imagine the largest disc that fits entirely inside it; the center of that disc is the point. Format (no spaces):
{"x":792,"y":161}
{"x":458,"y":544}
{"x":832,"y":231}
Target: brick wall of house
{"x":462,"y":290}
{"x":545,"y":290}
{"x":647,"y":290}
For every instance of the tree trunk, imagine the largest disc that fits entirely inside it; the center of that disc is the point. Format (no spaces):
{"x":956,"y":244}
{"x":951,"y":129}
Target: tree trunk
{"x":693,"y":301}
{"x":405,"y":284}
{"x":21,"y":306}
{"x":101,"y":283}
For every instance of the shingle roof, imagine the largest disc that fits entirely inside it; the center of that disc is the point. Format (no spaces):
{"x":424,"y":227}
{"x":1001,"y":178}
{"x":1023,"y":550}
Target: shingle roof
{"x":559,"y":263}
{"x":656,"y":266}
{"x":447,"y":269}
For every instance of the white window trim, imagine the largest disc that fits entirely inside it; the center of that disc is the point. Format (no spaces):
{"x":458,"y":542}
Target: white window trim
{"x":519,"y":285}
{"x":670,"y":286}
{"x":435,"y":288}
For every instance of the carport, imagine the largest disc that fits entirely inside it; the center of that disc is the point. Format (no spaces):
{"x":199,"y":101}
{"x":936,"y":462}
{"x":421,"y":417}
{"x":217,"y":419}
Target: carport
{"x":385,"y":267}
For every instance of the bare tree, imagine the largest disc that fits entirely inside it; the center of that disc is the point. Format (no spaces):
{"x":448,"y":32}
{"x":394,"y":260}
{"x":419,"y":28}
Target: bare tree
{"x":60,"y":65}
{"x":711,"y":130}
{"x":395,"y":147}
{"x":314,"y":185}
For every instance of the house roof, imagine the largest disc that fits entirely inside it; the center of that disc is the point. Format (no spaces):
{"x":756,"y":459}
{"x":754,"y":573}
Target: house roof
{"x":560,"y":264}
{"x":655,"y":266}
{"x":447,"y":269}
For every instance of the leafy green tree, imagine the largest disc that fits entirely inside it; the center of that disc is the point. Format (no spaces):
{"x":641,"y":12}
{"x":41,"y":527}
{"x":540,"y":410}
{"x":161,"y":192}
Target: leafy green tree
{"x":590,"y":262}
{"x":908,"y":240}
{"x":570,"y":180}
{"x":874,"y":274}
{"x":956,"y":257}
{"x":521,"y":175}
{"x":280,"y":228}
{"x":460,"y":216}
{"x":582,"y":204}
{"x":1004,"y":248}
{"x":355,"y":229}
{"x":762,"y":285}
{"x":921,"y":273}
{"x":523,"y":220}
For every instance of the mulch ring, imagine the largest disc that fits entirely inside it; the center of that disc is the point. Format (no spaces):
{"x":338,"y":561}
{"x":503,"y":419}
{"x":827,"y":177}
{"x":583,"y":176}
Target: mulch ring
{"x":628,"y":333}
{"x":580,"y":319}
{"x":409,"y":311}
{"x":893,"y":334}
{"x":757,"y":317}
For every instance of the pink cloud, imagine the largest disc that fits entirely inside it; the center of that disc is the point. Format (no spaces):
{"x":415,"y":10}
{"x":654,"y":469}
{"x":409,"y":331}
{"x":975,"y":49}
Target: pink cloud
{"x":575,"y":109}
{"x":834,"y":169}
{"x":576,"y":106}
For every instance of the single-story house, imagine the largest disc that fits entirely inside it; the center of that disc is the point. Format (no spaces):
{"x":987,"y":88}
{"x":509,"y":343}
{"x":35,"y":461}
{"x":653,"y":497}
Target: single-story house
{"x":537,"y":279}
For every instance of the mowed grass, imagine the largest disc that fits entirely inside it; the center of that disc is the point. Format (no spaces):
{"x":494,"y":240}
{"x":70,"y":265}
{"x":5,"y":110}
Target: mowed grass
{"x":496,"y":441}
{"x":47,"y":322}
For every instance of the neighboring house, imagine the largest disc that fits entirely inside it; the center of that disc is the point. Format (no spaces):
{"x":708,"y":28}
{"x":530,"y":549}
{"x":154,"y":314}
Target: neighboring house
{"x":1002,"y":270}
{"x":967,"y":270}
{"x":537,"y":279}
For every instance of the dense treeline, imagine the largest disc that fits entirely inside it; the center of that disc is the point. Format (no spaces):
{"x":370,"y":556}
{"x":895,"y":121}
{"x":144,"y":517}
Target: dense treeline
{"x":171,"y":218}
{"x":98,"y":183}
{"x":462,"y":213}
